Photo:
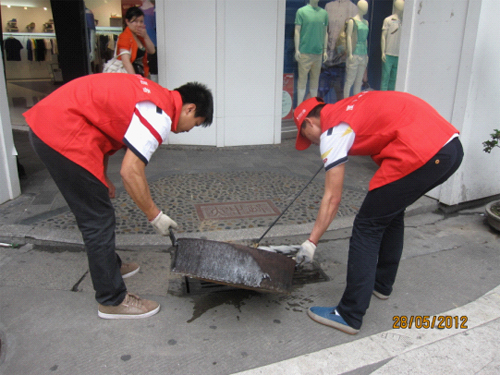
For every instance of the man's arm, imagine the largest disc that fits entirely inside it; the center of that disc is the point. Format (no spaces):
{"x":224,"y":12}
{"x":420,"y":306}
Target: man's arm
{"x":334,"y":181}
{"x":134,"y":179}
{"x":111,"y":186}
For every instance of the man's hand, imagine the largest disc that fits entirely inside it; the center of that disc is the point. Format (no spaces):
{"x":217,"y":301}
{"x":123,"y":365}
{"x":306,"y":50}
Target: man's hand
{"x":111,"y":188}
{"x":161,"y":223}
{"x":306,"y":252}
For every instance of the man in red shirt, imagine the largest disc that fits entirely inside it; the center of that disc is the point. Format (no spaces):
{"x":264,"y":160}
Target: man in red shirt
{"x":76,"y":128}
{"x":416,"y":150}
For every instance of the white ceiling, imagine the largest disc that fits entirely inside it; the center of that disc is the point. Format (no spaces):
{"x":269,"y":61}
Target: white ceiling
{"x":27,"y":3}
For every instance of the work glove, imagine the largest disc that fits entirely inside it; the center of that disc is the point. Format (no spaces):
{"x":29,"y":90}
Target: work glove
{"x":306,"y":252}
{"x":161,"y":223}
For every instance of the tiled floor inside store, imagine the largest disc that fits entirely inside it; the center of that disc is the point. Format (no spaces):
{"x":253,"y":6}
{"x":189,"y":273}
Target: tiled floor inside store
{"x":24,"y":94}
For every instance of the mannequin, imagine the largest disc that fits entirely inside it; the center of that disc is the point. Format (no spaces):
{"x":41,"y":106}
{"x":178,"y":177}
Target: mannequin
{"x":357,"y":55}
{"x":311,"y":40}
{"x":391,"y":33}
{"x":333,"y":71}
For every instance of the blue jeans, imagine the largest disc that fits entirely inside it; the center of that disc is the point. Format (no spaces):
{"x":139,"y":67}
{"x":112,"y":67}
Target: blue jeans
{"x":88,"y":199}
{"x":376,"y":243}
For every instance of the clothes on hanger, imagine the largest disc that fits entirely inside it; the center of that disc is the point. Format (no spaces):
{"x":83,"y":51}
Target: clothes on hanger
{"x":13,"y":49}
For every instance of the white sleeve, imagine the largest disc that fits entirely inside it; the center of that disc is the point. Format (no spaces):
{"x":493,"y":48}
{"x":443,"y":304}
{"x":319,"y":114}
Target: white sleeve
{"x":335,"y":144}
{"x":148,"y":129}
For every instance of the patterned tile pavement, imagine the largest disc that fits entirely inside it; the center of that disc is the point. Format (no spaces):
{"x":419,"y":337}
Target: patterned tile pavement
{"x":179,"y":195}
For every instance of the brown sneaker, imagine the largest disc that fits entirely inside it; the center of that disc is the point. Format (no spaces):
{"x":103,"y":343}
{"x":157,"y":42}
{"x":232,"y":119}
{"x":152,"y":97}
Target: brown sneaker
{"x":132,"y":307}
{"x":129,"y":269}
{"x":380,"y":295}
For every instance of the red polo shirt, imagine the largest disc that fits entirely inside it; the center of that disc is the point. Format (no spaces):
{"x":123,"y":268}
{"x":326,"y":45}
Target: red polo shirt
{"x":88,"y":117}
{"x":398,"y":130}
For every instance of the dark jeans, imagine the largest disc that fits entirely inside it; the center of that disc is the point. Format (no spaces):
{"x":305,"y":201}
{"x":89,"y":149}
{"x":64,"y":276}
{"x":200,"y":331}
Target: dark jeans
{"x":378,"y":231}
{"x":88,"y":199}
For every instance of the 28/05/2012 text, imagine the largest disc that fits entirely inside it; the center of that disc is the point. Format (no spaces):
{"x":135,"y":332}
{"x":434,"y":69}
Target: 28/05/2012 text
{"x":428,"y":322}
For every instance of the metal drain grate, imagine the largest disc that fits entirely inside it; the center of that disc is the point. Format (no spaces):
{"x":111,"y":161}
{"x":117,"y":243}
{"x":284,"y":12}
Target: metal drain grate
{"x":308,"y":274}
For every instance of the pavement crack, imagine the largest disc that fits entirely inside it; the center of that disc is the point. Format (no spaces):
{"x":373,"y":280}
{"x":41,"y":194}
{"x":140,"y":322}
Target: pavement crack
{"x":75,"y":287}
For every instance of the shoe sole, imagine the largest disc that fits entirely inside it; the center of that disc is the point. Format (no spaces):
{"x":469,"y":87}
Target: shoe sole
{"x":127,"y":316}
{"x":131,"y":273}
{"x":331,"y":323}
{"x":379,"y":295}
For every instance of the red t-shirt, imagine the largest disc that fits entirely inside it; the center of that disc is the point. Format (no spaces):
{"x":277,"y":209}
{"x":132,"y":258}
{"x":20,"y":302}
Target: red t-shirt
{"x":88,"y":117}
{"x":398,"y":130}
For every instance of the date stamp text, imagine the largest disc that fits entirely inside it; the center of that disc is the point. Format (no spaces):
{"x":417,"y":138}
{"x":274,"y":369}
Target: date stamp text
{"x":429,"y":322}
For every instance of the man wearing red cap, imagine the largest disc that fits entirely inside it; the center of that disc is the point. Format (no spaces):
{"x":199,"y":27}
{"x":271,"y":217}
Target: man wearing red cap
{"x":416,"y":150}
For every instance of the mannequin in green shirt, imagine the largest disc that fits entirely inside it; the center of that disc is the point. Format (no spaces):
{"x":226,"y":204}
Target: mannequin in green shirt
{"x":311,"y":40}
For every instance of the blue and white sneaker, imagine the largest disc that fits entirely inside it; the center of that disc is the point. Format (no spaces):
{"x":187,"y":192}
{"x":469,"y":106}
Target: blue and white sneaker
{"x":330,"y":317}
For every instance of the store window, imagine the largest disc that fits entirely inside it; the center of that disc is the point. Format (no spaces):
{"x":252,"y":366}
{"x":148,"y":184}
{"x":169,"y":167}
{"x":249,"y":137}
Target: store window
{"x":29,"y":53}
{"x":32,"y":56}
{"x":321,"y":68}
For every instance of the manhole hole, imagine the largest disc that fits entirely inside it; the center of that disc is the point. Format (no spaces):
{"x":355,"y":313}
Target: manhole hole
{"x":309,"y":274}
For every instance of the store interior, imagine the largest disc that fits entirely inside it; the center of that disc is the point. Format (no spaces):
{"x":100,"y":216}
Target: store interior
{"x":30,"y":52}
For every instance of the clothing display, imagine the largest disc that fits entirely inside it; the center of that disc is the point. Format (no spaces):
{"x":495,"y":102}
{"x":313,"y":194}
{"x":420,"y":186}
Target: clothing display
{"x":362,"y":30}
{"x":41,"y":49}
{"x":309,"y":64}
{"x":13,"y":49}
{"x":150,"y":23}
{"x":313,"y":23}
{"x":12,"y":26}
{"x":338,"y":12}
{"x":389,"y":73}
{"x":356,"y":67}
{"x":392,"y":27}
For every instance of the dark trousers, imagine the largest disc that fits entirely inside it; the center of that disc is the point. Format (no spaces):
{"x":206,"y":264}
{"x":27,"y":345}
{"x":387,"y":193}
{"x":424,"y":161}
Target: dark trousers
{"x":378,"y":231}
{"x":88,"y":199}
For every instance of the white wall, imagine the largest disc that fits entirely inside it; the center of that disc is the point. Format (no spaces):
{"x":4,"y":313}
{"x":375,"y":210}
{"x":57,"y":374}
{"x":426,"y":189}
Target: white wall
{"x":103,"y":10}
{"x":236,"y":48}
{"x":452,"y":63}
{"x":186,"y":32}
{"x":24,"y":17}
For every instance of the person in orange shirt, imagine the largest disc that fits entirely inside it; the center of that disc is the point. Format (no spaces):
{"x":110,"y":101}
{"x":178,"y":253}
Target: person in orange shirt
{"x":416,"y":150}
{"x":135,"y":40}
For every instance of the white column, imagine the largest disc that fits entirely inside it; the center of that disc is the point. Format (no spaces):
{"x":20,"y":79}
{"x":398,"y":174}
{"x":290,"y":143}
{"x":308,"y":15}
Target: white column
{"x":448,"y":60}
{"x":9,"y":180}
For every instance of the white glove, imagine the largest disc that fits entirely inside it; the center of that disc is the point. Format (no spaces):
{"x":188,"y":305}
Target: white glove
{"x":306,"y":252}
{"x":161,"y":223}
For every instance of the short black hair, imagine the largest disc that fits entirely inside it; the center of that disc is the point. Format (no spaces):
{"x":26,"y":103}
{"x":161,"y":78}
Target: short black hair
{"x":198,"y":94}
{"x":133,"y":12}
{"x":315,"y":112}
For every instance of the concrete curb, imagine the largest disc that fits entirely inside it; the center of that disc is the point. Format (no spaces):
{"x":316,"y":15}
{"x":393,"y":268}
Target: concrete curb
{"x":386,"y":345}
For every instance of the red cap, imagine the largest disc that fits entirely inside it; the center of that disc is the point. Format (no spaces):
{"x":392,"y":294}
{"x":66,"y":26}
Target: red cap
{"x":299,"y":115}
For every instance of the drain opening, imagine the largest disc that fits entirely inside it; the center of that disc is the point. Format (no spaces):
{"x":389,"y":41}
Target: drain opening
{"x":309,"y":274}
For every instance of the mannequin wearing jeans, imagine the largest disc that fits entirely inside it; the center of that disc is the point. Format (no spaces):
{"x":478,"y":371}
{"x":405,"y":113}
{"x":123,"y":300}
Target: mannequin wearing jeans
{"x":391,"y":32}
{"x":311,"y":40}
{"x":357,"y":59}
